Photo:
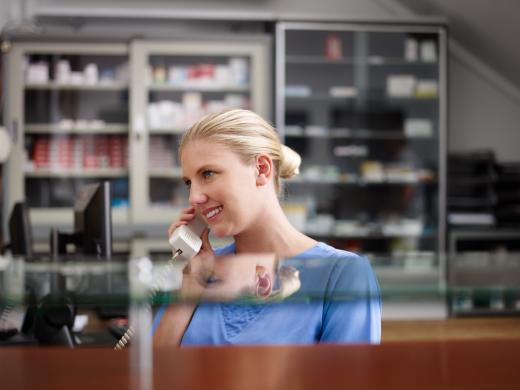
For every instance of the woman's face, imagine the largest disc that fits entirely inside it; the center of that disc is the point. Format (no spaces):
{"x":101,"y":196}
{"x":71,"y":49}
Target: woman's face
{"x":222,"y":187}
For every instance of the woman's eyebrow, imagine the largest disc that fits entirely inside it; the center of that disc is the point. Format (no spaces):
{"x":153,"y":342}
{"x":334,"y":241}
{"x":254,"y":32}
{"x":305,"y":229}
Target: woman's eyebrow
{"x":206,"y":167}
{"x":200,"y":170}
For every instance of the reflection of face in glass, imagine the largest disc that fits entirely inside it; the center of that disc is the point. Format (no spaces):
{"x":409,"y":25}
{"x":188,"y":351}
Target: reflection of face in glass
{"x":263,"y":283}
{"x":251,"y":276}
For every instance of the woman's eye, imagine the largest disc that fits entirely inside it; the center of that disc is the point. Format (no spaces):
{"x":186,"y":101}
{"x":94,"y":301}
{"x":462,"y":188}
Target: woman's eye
{"x":208,"y":174}
{"x":188,"y":183}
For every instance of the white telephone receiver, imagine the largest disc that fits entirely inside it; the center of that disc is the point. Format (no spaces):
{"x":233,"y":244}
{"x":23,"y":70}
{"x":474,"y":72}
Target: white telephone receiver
{"x":185,"y":240}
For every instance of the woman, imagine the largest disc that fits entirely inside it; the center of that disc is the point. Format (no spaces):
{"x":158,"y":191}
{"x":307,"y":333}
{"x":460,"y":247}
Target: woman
{"x":232,"y":162}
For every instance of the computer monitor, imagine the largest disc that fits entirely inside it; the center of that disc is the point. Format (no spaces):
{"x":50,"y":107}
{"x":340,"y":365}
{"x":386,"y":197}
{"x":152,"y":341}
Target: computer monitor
{"x":93,"y":221}
{"x":20,"y":231}
{"x":92,"y":234}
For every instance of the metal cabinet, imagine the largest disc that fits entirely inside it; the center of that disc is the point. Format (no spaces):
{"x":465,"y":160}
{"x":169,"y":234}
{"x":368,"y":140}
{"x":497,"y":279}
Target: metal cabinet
{"x":365,"y":106}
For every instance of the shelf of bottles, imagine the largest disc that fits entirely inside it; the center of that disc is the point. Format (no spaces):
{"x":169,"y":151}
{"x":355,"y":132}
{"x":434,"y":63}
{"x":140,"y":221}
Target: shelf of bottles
{"x":182,"y":89}
{"x":75,"y":126}
{"x":362,"y":104}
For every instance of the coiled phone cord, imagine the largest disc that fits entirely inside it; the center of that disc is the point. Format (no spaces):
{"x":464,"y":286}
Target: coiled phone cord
{"x":123,"y":341}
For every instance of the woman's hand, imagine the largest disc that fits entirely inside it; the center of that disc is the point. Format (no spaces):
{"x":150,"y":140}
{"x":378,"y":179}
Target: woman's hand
{"x":198,"y":270}
{"x":187,"y":215}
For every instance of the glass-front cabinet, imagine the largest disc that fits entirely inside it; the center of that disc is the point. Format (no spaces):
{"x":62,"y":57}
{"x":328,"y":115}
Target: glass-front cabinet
{"x":84,"y":112}
{"x":67,"y":109}
{"x":174,"y":84}
{"x":365,"y":106}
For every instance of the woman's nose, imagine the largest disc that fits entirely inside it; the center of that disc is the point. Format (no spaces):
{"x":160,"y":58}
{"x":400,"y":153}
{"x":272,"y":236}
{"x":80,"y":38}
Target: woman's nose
{"x":197,"y":197}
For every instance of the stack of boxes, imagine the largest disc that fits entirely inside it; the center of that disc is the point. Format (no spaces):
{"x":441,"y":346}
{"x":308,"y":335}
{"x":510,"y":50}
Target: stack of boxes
{"x":82,"y":152}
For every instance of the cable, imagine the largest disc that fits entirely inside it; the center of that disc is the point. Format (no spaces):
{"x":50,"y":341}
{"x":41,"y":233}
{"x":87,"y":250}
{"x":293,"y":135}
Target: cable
{"x":4,"y":315}
{"x":123,"y":341}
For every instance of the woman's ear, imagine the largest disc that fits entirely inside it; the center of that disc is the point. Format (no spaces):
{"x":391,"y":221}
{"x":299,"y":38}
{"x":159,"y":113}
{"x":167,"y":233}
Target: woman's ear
{"x":264,"y":169}
{"x":264,"y":286}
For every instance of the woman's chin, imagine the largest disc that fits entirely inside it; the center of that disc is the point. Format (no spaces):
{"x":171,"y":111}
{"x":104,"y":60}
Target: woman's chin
{"x":222,"y":231}
{"x":219,"y":232}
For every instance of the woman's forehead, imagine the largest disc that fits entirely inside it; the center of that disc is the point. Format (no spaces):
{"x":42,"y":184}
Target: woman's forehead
{"x":204,"y":152}
{"x":200,"y":148}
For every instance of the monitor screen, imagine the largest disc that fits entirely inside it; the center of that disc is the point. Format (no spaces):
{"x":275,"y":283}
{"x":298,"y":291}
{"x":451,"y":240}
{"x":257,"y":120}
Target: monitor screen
{"x":20,"y":230}
{"x":93,"y":220}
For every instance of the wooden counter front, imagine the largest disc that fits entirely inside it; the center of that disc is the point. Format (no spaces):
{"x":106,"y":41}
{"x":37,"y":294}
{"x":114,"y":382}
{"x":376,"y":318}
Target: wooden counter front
{"x":472,"y":364}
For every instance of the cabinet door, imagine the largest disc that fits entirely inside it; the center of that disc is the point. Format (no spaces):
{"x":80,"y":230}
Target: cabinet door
{"x":364,"y":105}
{"x":173,"y":85}
{"x":68,"y":107}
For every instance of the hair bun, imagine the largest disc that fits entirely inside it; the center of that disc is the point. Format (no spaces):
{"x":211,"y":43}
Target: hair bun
{"x":290,"y":163}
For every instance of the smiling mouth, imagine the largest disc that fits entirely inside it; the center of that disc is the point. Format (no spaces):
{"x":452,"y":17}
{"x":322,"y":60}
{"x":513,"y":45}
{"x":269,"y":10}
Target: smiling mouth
{"x":210,"y":214}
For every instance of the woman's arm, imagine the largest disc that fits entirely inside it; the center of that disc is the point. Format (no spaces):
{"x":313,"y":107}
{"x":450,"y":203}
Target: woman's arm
{"x":173,"y":324}
{"x":177,"y":316}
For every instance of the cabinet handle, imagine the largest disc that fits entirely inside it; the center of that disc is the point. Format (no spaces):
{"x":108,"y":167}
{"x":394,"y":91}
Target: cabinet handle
{"x":14,"y":131}
{"x":139,"y":126}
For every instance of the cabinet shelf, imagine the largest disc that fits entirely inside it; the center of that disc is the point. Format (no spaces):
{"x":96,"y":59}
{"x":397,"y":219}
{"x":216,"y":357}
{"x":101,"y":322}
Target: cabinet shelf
{"x":87,"y":173}
{"x":166,"y":131}
{"x":57,"y":216}
{"x":166,"y":173}
{"x":115,"y":86}
{"x":49,"y":128}
{"x":360,"y":182}
{"x":365,"y":235}
{"x":320,"y":97}
{"x":180,"y":88}
{"x":334,"y":99}
{"x":372,"y":60}
{"x":338,"y":133}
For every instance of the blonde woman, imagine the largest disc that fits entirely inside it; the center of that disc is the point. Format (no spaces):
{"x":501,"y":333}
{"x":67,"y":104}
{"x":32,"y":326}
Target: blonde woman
{"x":233,"y":163}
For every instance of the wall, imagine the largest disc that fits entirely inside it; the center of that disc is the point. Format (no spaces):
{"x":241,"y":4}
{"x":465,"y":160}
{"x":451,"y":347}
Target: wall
{"x":484,"y":84}
{"x":484,"y":109}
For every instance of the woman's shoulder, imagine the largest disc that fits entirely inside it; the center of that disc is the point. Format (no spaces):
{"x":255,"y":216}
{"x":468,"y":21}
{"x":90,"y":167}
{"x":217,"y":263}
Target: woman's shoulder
{"x":347,"y":268}
{"x":325,"y":252}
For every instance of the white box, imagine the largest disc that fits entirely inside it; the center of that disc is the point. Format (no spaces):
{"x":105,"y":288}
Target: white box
{"x":400,"y":85}
{"x":417,"y":127}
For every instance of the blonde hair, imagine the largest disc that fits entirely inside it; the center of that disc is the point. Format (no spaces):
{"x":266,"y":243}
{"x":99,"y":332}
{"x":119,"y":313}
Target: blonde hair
{"x":248,"y":134}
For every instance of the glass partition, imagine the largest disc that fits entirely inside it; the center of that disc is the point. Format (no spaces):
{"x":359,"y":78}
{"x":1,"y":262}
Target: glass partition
{"x":95,"y":300}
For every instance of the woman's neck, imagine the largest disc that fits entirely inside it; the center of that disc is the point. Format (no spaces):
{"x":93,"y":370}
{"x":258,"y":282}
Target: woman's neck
{"x":273,"y":233}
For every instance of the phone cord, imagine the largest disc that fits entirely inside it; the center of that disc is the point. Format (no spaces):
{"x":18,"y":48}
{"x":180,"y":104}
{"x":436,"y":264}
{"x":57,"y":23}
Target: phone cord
{"x":123,"y":341}
{"x":4,"y":315}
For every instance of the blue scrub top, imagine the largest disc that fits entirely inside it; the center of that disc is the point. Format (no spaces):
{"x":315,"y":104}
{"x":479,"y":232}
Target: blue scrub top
{"x":338,"y":302}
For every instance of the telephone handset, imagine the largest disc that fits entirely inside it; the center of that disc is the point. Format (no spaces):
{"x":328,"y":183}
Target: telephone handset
{"x":186,"y":242}
{"x":186,"y":239}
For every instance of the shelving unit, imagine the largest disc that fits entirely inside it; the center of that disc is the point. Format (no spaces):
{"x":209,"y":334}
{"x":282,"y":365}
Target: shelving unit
{"x":68,"y":107}
{"x":365,"y":107}
{"x":72,"y":103}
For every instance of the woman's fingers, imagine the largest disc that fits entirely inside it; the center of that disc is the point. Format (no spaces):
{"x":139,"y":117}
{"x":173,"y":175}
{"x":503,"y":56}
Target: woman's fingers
{"x":186,"y":217}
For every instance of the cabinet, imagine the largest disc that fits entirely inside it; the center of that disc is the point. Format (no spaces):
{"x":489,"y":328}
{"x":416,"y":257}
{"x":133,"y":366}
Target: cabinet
{"x":81,"y":112}
{"x":67,"y":108}
{"x":483,"y":272}
{"x":365,"y":106}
